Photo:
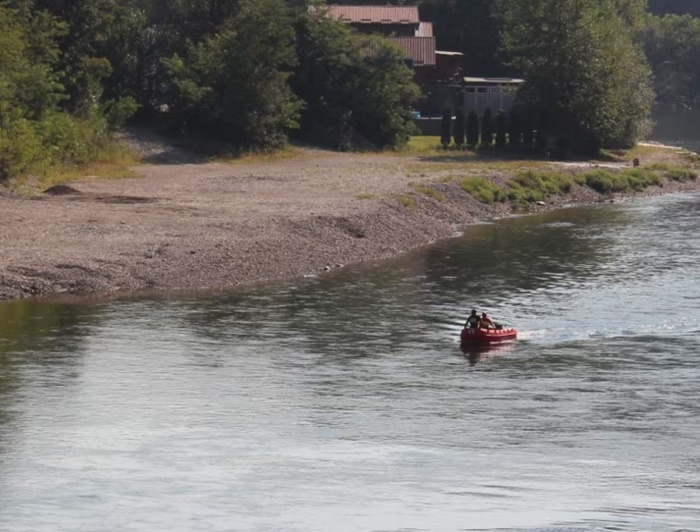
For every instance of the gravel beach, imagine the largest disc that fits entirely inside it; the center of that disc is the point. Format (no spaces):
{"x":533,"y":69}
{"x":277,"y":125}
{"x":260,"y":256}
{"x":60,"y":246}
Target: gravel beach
{"x":186,"y":224}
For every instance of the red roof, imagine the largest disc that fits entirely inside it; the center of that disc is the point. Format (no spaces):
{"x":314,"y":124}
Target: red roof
{"x":375,"y":14}
{"x":420,"y":49}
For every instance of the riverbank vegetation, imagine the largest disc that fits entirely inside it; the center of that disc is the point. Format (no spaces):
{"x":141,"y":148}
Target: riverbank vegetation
{"x":247,"y":75}
{"x":510,"y":177}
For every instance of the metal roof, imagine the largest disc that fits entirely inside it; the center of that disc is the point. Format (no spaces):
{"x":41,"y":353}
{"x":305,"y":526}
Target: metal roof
{"x":375,"y":14}
{"x":420,"y":49}
{"x":425,"y":29}
{"x":494,"y":81}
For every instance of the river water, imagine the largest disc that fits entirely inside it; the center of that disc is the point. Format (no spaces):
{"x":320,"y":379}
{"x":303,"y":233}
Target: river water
{"x":344,"y":402}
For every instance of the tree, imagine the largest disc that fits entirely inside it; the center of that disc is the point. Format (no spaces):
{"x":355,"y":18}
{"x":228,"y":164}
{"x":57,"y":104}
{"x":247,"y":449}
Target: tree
{"x":355,"y":87}
{"x":459,"y":128}
{"x":528,"y":127}
{"x":672,"y":45}
{"x":34,"y":132}
{"x":446,"y":128}
{"x":582,"y":68}
{"x":501,"y":127}
{"x":515,"y":130}
{"x":472,"y":129}
{"x":487,"y":128}
{"x":468,"y":26}
{"x":234,"y":84}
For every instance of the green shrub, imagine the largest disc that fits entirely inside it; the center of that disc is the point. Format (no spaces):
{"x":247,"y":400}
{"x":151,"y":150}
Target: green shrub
{"x":407,"y":201}
{"x":676,"y":173}
{"x":21,"y":149}
{"x":430,"y":192}
{"x":609,"y":182}
{"x":501,"y":128}
{"x":67,"y":140}
{"x":640,"y":178}
{"x":473,"y":129}
{"x":446,"y":128}
{"x":602,"y":181}
{"x":483,"y":190}
{"x":514,"y":130}
{"x":487,"y":128}
{"x":117,"y":112}
{"x":459,"y":129}
{"x":531,"y":185}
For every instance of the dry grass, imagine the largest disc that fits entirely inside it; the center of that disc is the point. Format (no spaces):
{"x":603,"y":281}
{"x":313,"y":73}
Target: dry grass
{"x":113,"y":164}
{"x":406,"y":201}
{"x":424,"y":144}
{"x":366,"y":196}
{"x":427,"y":191}
{"x":285,"y":154}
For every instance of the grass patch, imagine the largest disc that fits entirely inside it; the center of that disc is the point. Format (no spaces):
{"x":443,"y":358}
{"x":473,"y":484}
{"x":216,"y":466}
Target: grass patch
{"x":112,"y":163}
{"x":283,"y":154}
{"x":692,"y":158}
{"x":640,"y":178}
{"x":423,"y":143}
{"x":606,"y":182}
{"x":483,"y":190}
{"x":366,"y":196}
{"x":602,"y":181}
{"x":407,"y":201}
{"x":675,"y":172}
{"x":427,"y":191}
{"x":623,"y":155}
{"x":534,"y":185}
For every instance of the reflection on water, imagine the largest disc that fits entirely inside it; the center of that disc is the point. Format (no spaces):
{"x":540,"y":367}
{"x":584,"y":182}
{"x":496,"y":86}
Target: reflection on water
{"x":677,"y":127}
{"x":344,"y":402}
{"x":476,"y":353}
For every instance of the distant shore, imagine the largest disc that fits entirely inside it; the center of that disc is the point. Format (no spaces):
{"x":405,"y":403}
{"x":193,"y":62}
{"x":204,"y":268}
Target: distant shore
{"x":190,"y":225}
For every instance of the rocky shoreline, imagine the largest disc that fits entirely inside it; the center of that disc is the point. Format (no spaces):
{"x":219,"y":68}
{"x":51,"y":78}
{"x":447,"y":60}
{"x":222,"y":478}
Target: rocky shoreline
{"x":191,"y":225}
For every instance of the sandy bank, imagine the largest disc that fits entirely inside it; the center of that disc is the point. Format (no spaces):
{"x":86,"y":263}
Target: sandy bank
{"x":201,"y":225}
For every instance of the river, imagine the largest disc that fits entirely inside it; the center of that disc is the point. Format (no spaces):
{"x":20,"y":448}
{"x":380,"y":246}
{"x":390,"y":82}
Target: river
{"x":344,"y":403}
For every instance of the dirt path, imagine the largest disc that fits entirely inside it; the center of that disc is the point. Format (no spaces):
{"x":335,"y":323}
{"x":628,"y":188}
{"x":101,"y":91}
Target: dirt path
{"x":201,"y":225}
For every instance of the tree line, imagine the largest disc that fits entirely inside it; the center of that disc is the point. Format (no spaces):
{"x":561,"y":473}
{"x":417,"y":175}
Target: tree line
{"x":250,"y":73}
{"x":512,"y":130}
{"x":593,"y":68}
{"x":245,"y":73}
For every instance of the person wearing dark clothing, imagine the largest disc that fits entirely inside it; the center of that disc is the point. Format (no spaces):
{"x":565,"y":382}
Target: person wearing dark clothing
{"x":472,"y":321}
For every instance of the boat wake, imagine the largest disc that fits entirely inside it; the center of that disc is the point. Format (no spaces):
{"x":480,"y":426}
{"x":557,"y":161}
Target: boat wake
{"x":532,"y":335}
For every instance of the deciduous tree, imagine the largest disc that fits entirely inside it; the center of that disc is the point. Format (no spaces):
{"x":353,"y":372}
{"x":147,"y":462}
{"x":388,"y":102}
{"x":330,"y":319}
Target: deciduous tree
{"x":582,"y":69}
{"x":234,"y":85}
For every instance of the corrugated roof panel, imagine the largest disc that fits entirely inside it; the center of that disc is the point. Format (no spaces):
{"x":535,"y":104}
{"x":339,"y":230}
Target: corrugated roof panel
{"x":494,"y":81}
{"x":375,"y":14}
{"x":420,"y":49}
{"x":425,"y":30}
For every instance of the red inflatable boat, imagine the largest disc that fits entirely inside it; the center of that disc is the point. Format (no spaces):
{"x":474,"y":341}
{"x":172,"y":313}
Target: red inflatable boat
{"x":487,"y":336}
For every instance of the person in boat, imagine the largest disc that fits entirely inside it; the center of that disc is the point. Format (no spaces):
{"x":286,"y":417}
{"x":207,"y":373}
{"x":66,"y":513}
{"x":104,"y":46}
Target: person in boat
{"x":473,"y":320}
{"x":485,"y":322}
